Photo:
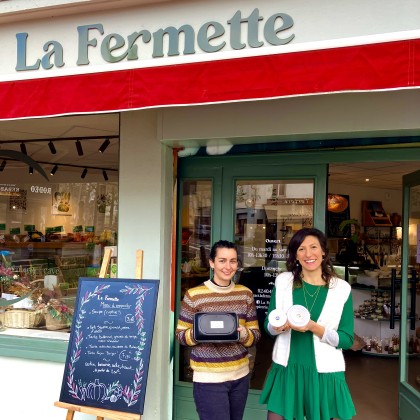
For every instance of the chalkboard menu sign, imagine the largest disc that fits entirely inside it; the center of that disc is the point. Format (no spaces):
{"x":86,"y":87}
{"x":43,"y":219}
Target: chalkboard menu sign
{"x":110,"y":341}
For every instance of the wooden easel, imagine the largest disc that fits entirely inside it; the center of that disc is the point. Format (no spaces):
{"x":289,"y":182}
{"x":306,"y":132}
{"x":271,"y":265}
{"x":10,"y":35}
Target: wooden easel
{"x":100,"y":413}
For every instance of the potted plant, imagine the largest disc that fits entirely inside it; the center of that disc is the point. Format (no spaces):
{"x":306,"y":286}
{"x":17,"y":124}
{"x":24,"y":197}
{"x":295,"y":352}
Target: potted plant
{"x":103,"y":201}
{"x":348,"y":253}
{"x":7,"y":276}
{"x":354,"y":228}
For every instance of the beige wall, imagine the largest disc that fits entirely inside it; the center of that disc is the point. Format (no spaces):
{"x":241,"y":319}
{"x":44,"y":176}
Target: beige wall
{"x":145,"y":223}
{"x":350,"y":115}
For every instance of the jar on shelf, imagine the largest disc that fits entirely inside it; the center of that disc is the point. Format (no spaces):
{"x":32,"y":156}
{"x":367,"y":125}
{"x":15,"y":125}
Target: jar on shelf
{"x":411,"y":345}
{"x":395,"y":219}
{"x":417,"y":345}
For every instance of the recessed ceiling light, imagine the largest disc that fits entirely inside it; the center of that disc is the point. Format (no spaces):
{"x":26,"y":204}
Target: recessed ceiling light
{"x":367,"y":180}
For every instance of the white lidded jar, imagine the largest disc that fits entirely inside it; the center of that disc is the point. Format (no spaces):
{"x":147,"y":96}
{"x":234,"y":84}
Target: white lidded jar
{"x":298,"y":316}
{"x":277,"y":318}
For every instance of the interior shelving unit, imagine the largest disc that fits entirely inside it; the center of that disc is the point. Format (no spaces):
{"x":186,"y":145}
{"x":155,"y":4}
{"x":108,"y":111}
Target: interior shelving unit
{"x":372,"y":322}
{"x":373,"y":214}
{"x":380,"y":237}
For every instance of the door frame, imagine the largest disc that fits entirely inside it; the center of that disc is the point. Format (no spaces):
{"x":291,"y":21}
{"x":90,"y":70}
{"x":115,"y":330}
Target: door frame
{"x":213,"y":167}
{"x":408,"y":397}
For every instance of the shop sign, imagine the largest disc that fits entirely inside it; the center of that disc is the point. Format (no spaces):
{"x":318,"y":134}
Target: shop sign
{"x":211,"y":37}
{"x":10,"y":190}
{"x":40,"y":190}
{"x":288,"y":201}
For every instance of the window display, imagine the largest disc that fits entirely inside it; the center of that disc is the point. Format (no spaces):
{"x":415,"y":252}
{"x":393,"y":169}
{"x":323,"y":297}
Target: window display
{"x":50,"y":236}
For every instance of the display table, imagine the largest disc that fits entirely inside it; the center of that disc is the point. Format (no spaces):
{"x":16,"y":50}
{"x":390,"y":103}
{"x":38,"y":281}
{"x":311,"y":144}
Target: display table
{"x":29,"y":250}
{"x":67,"y":260}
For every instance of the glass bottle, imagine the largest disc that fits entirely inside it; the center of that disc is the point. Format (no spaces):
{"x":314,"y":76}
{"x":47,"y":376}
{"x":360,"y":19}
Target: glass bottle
{"x":411,"y":345}
{"x":417,"y":345}
{"x":390,"y":347}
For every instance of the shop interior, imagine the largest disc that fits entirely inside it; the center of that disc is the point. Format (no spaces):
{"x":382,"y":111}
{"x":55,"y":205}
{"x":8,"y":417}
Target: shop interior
{"x":374,"y":189}
{"x":58,"y":213}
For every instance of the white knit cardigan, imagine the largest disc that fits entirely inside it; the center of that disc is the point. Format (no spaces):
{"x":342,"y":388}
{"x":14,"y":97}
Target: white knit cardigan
{"x":327,"y":357}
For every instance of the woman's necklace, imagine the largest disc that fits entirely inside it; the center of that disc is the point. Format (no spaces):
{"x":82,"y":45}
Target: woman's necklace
{"x":314,"y":294}
{"x":306,"y":290}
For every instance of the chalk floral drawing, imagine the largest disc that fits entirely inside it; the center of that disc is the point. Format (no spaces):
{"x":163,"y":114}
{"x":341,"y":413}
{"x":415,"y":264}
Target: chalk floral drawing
{"x":79,"y":392}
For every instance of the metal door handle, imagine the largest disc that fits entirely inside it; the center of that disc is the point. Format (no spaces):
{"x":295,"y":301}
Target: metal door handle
{"x":412,"y":317}
{"x":392,"y":316}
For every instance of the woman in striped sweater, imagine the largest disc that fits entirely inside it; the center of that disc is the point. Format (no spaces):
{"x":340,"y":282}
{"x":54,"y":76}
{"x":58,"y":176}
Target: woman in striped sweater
{"x":221,"y":370}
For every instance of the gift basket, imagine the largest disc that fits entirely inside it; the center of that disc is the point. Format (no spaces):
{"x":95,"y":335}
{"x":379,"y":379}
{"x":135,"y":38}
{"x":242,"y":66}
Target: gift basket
{"x":23,"y":318}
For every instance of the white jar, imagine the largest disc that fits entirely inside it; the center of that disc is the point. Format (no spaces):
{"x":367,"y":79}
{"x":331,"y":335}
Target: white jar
{"x":298,"y":316}
{"x":277,"y":318}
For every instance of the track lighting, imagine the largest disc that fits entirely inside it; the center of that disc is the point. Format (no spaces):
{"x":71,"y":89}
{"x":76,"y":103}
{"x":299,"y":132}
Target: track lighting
{"x":105,"y":144}
{"x":52,"y":148}
{"x":54,"y":170}
{"x":54,"y":166}
{"x":79,"y":148}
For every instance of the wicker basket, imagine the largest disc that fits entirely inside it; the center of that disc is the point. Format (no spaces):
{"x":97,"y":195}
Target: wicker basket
{"x":54,"y":324}
{"x":23,"y":318}
{"x":2,"y":316}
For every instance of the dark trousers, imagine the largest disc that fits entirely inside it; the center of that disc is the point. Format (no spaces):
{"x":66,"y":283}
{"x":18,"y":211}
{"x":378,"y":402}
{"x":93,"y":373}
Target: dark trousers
{"x":221,"y":401}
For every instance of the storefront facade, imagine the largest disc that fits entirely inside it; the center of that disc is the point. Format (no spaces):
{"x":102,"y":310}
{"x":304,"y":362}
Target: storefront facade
{"x":271,"y":76}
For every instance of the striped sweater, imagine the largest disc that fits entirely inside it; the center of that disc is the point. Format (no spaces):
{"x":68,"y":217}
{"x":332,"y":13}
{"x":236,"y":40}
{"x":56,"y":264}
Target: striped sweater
{"x":218,"y":362}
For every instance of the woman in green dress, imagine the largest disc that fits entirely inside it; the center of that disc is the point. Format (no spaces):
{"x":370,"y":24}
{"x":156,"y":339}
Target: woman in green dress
{"x":306,"y":379}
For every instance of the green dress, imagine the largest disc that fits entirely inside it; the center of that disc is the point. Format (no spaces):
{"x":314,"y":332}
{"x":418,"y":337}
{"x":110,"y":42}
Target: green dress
{"x":298,"y":391}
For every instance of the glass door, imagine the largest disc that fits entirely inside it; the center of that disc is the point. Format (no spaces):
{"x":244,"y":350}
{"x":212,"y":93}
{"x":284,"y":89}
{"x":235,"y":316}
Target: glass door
{"x":409,"y":388}
{"x":267,"y":214}
{"x":259,"y":207}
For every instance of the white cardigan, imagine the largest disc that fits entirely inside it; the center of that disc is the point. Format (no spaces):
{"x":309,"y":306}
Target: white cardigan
{"x":327,"y":357}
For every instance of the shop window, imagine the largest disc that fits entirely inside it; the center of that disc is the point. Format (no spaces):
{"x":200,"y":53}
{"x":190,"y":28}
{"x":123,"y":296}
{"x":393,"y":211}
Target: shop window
{"x":267,"y":214}
{"x":50,"y":236}
{"x":195,"y":246}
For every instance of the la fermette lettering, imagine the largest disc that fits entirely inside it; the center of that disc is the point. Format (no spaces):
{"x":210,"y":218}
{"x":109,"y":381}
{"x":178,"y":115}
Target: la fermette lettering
{"x":211,"y":37}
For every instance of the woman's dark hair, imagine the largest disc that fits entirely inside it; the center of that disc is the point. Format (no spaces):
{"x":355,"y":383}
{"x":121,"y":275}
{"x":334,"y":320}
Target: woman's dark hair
{"x":221,"y":244}
{"x":292,"y":263}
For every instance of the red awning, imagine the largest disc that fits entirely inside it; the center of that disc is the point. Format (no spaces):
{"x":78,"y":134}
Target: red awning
{"x":370,"y":67}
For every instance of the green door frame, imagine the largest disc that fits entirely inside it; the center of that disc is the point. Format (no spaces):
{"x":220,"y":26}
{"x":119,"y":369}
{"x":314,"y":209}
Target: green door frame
{"x":275,"y":165}
{"x":224,"y":174}
{"x":409,"y":398}
{"x":183,"y":403}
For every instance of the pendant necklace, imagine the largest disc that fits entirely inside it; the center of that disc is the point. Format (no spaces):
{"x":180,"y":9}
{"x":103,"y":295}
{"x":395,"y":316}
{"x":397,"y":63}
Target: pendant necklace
{"x":304,"y":288}
{"x":314,"y":294}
